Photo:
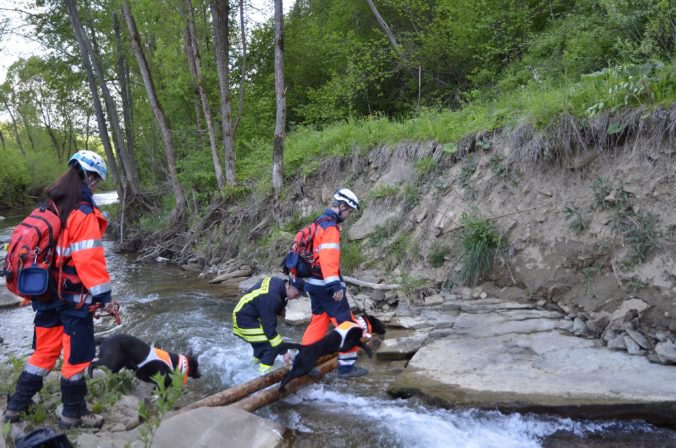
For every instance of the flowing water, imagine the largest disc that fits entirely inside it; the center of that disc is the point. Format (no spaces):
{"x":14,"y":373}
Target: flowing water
{"x":173,"y":309}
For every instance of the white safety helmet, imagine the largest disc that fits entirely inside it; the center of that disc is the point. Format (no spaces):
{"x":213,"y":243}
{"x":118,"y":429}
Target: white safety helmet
{"x":346,"y":196}
{"x":90,"y":162}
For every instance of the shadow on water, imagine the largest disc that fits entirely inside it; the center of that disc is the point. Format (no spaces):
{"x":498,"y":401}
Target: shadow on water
{"x":174,"y":310}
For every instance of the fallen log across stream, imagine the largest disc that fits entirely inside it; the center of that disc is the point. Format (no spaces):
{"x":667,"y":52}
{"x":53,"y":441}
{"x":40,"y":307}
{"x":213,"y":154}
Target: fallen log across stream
{"x":244,"y":396}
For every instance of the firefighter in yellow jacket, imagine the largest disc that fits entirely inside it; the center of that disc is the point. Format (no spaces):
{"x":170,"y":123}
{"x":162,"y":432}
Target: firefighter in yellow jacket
{"x":254,"y":319}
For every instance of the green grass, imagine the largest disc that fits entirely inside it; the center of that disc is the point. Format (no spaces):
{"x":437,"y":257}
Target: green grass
{"x":480,"y":245}
{"x":437,"y":256}
{"x":383,"y":192}
{"x":351,"y":256}
{"x":538,"y":104}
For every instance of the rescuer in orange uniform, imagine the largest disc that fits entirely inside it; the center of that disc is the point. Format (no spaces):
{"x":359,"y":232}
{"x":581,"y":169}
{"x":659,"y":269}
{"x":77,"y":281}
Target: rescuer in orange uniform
{"x":325,"y":285}
{"x":81,"y":284}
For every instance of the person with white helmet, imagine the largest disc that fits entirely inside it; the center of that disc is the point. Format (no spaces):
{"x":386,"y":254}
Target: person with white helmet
{"x":80,"y":284}
{"x":325,"y":285}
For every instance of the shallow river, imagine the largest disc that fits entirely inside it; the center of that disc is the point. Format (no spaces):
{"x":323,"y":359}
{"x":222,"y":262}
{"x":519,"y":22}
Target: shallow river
{"x":177,"y":311}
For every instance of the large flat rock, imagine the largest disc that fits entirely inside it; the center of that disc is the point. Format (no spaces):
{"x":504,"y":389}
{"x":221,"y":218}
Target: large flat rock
{"x":221,"y":426}
{"x":542,"y":371}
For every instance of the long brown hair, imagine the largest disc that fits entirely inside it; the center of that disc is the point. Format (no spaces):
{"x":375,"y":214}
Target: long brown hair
{"x":66,"y":192}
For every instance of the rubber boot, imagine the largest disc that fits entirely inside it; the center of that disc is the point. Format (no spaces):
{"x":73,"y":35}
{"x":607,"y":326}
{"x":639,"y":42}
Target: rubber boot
{"x":27,"y":385}
{"x":75,"y":412}
{"x":353,"y":372}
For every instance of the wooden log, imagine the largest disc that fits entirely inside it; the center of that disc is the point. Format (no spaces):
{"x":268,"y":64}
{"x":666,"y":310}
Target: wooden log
{"x":236,"y":393}
{"x":229,"y":275}
{"x":271,"y":395}
{"x":358,"y":282}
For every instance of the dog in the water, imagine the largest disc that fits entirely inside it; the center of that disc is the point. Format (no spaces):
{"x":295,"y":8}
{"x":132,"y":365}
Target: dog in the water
{"x":126,"y":351}
{"x":341,"y":339}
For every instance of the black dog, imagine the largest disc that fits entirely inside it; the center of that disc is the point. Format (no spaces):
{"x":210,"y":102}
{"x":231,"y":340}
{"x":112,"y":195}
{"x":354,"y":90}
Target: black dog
{"x":123,"y":350}
{"x":308,"y":355}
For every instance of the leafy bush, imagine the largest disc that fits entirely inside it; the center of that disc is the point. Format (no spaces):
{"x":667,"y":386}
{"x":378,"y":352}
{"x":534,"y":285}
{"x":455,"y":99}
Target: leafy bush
{"x":15,"y":179}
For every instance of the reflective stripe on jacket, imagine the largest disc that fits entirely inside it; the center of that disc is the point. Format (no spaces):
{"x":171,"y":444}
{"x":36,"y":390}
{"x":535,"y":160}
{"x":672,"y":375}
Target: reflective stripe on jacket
{"x":80,"y":261}
{"x":254,"y":319}
{"x":326,"y":252}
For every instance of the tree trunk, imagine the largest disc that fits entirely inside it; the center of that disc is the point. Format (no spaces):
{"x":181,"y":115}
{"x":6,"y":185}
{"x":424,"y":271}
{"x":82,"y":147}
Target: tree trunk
{"x":128,"y":165}
{"x":241,"y":391}
{"x":194,"y":63}
{"x":386,"y":29}
{"x":125,"y":94}
{"x":219,"y":12}
{"x":254,"y":402}
{"x":2,"y":140}
{"x":15,"y":127}
{"x":181,"y":204}
{"x":280,"y":118}
{"x":242,"y":75}
{"x":100,"y":118}
{"x":27,"y":127}
{"x":50,"y":131}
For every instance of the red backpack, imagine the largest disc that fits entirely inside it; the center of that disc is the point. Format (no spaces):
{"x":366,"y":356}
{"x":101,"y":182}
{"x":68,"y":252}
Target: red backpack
{"x":30,"y":254}
{"x":298,"y":262}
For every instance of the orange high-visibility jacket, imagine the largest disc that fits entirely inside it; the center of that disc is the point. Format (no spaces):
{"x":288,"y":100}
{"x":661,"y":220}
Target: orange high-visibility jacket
{"x":80,"y":262}
{"x":326,"y":252}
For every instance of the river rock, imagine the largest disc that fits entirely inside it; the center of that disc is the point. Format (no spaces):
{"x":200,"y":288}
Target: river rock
{"x":666,"y":352}
{"x":105,"y":439}
{"x":632,"y":347}
{"x":547,"y":371}
{"x":436,"y":299}
{"x":218,"y":426}
{"x":402,"y":347}
{"x":298,"y":311}
{"x":637,"y":337}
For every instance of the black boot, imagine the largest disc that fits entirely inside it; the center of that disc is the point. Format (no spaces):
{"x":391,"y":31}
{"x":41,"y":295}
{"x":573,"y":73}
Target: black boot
{"x":27,"y":385}
{"x":75,"y":412}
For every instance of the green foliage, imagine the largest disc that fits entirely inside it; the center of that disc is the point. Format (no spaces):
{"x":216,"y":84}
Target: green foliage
{"x":14,"y":179}
{"x":634,"y":283}
{"x":298,"y":221}
{"x":601,"y":192}
{"x":468,"y":168}
{"x":410,"y":283}
{"x":574,"y":217}
{"x":383,"y":191}
{"x":437,"y":256}
{"x":410,"y":196}
{"x":480,"y":243}
{"x":497,"y":167}
{"x":633,"y":85}
{"x":426,"y":167}
{"x":639,"y":232}
{"x":107,"y":389}
{"x":351,"y":256}
{"x":165,"y":399}
{"x":383,"y":232}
